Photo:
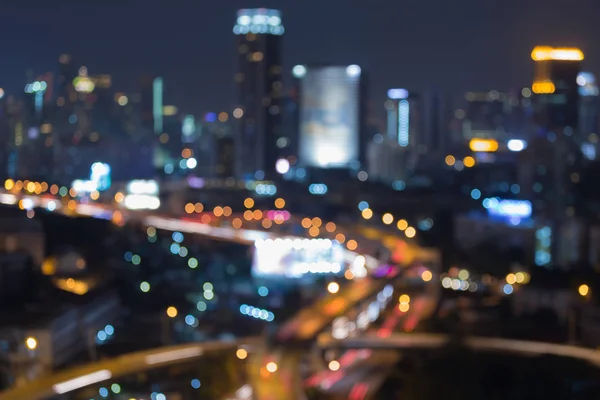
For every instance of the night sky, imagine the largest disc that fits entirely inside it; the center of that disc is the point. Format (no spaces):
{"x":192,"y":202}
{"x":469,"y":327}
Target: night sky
{"x":453,"y":45}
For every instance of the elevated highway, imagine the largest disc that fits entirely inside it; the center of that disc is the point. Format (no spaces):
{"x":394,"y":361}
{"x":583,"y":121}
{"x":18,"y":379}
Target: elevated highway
{"x":85,"y":375}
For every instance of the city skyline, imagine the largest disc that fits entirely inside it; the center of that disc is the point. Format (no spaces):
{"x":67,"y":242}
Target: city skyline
{"x":201,"y":81}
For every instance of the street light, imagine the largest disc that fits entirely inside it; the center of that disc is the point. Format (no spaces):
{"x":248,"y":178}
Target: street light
{"x":31,"y":343}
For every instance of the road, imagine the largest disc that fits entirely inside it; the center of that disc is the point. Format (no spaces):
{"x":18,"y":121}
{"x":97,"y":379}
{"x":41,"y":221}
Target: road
{"x":75,"y":378}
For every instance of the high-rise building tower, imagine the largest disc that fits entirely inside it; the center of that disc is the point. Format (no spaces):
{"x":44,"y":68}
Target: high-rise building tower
{"x":555,"y":81}
{"x":404,"y":123}
{"x":331,"y":116}
{"x":258,"y":36}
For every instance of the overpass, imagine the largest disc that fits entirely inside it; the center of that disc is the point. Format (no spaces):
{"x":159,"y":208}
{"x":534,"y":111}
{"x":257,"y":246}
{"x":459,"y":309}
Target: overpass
{"x":424,"y":341}
{"x":85,"y":375}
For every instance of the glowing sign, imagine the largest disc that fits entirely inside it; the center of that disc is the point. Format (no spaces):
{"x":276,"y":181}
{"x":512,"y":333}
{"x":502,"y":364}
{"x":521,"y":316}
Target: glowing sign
{"x":188,"y":129}
{"x":510,"y":208}
{"x":547,"y":53}
{"x":543,"y":87}
{"x":483,"y":145}
{"x":397,"y":94}
{"x":142,"y":187}
{"x":516,"y":145}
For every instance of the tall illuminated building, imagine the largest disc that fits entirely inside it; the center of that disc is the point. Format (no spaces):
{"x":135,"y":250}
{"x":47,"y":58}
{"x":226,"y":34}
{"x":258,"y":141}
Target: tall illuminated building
{"x":404,"y":119}
{"x":259,"y":83}
{"x":331,"y":116}
{"x":589,"y":109}
{"x":555,"y":82}
{"x":151,"y":103}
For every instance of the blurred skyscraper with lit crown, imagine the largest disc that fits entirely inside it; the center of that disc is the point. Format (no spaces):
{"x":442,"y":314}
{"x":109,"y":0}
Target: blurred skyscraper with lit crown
{"x":259,"y":85}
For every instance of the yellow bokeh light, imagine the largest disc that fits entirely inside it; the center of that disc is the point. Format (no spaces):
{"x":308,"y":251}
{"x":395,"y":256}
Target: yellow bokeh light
{"x":584,"y":290}
{"x":387,"y":218}
{"x":241,"y":354}
{"x":189,"y":208}
{"x":403,"y":307}
{"x":520,"y":277}
{"x":279,"y":203}
{"x":330,"y":227}
{"x":30,"y":187}
{"x":227,"y":211}
{"x":450,"y":160}
{"x":402,"y":224}
{"x":31,"y":343}
{"x":404,"y":299}
{"x":547,"y":53}
{"x":352,"y":245}
{"x":426,"y":276}
{"x":316,"y":221}
{"x":257,"y":214}
{"x":172,"y":312}
{"x":72,"y":205}
{"x":248,"y":215}
{"x":267,"y":223}
{"x":313,"y":231}
{"x":349,"y":275}
{"x":469,"y":161}
{"x":483,"y":145}
{"x":72,"y":192}
{"x":306,"y":223}
{"x":95,"y":195}
{"x":249,"y":202}
{"x":367,"y":213}
{"x":223,"y":116}
{"x":340,"y":237}
{"x":54,"y":189}
{"x":9,"y":184}
{"x":236,"y":223}
{"x":198,"y":207}
{"x":218,"y":211}
{"x":543,"y":87}
{"x":511,"y":278}
{"x":410,"y":232}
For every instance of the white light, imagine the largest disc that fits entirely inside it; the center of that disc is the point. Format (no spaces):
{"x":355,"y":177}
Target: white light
{"x":191,"y":163}
{"x":299,"y":71}
{"x":282,"y":166}
{"x":84,"y":186}
{"x":142,"y":187}
{"x":353,"y":70}
{"x":82,"y":381}
{"x":516,"y":145}
{"x":141,"y":202}
{"x":244,"y":20}
{"x":397,"y":94}
{"x":167,"y":356}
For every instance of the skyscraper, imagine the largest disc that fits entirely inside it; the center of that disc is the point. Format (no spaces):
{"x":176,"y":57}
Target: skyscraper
{"x":258,"y":36}
{"x":555,"y":81}
{"x":331,"y":116}
{"x":404,"y":123}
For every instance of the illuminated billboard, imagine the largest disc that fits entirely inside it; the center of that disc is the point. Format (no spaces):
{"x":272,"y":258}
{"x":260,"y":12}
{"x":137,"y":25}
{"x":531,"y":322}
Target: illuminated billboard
{"x":330,"y":116}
